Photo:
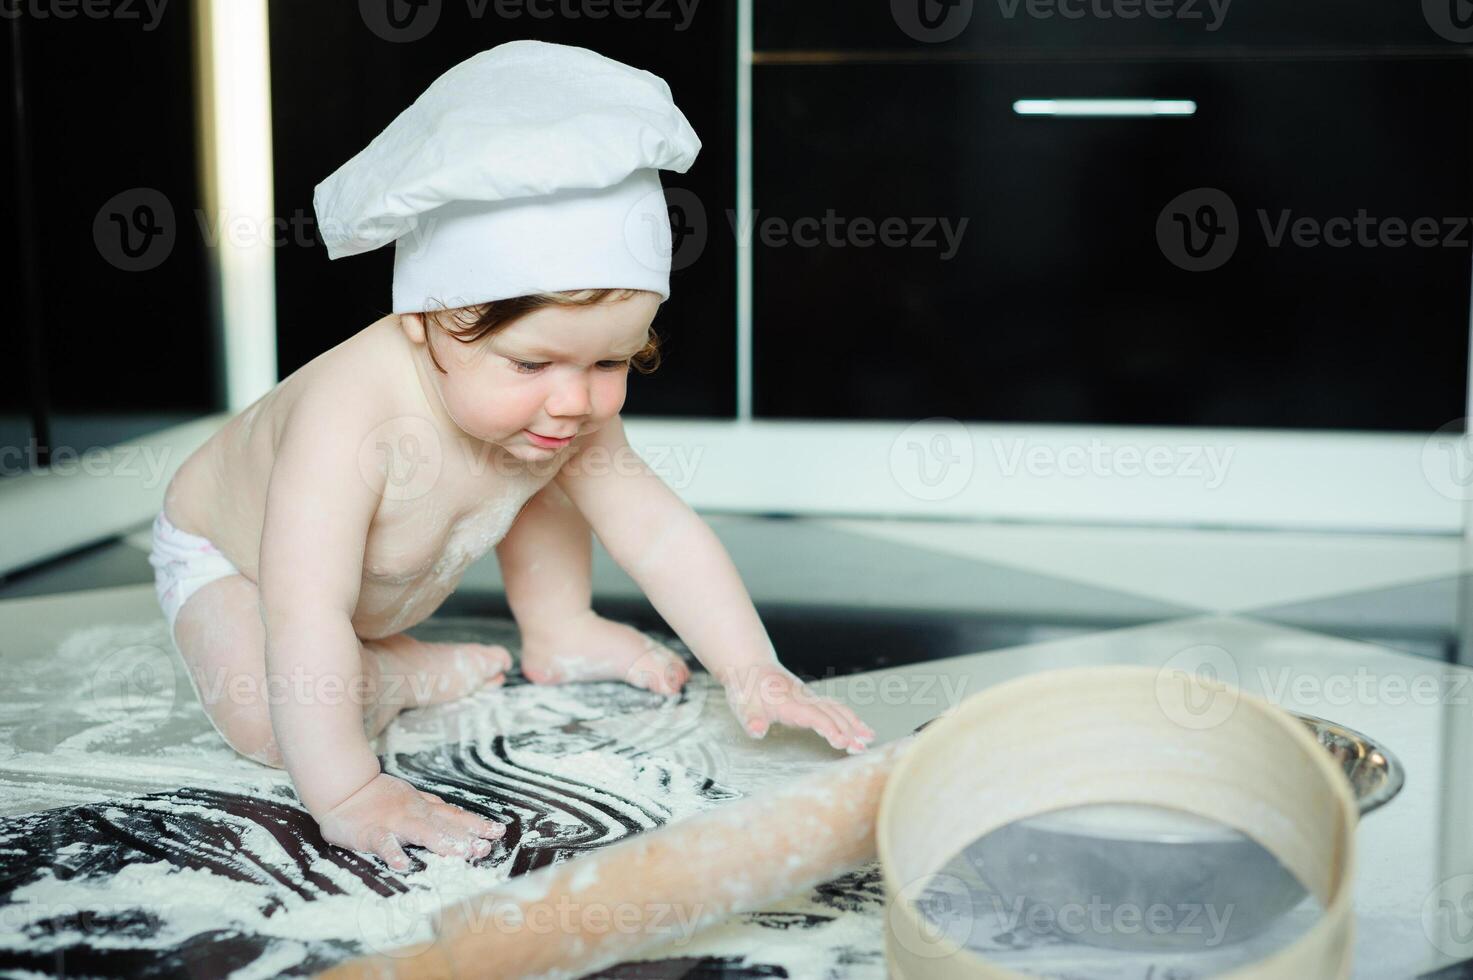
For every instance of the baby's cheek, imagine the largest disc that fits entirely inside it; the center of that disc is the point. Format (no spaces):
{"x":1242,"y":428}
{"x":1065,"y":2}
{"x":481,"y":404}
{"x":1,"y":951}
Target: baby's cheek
{"x":477,"y":412}
{"x":608,"y":395}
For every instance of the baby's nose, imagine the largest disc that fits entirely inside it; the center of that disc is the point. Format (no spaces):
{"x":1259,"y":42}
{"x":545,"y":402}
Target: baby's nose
{"x":570,"y":399}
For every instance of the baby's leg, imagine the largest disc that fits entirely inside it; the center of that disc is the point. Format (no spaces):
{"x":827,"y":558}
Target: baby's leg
{"x":547,"y":568}
{"x":222,"y":640}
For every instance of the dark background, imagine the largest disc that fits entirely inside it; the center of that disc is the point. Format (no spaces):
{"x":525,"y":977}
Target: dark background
{"x":1060,"y":305}
{"x":110,"y":109}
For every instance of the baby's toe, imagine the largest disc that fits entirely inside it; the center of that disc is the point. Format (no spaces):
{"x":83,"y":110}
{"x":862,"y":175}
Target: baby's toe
{"x":541,"y":673}
{"x":496,"y":657}
{"x":480,"y":663}
{"x":672,"y":676}
{"x":659,"y":670}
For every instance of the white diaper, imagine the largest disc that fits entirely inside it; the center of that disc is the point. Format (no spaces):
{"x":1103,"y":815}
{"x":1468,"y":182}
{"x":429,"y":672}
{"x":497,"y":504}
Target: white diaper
{"x":183,"y":563}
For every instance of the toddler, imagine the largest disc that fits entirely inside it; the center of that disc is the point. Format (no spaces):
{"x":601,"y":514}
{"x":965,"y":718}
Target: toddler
{"x":294,"y":548}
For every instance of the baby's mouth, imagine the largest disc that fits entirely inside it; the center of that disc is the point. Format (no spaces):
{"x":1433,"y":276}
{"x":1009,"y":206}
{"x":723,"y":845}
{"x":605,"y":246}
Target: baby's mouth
{"x":549,"y":440}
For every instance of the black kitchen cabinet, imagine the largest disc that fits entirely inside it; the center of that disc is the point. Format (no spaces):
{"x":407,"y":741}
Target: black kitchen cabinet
{"x":1075,"y":29}
{"x":122,"y":343}
{"x":1062,"y":302}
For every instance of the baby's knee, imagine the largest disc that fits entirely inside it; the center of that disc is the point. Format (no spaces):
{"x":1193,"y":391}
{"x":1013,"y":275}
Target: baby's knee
{"x":248,"y":731}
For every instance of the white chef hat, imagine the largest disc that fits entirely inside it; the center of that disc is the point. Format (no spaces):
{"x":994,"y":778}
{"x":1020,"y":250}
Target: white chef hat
{"x":529,"y":167}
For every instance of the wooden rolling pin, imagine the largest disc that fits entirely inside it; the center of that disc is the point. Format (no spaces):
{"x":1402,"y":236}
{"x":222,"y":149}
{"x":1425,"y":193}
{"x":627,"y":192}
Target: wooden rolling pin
{"x":659,"y":886}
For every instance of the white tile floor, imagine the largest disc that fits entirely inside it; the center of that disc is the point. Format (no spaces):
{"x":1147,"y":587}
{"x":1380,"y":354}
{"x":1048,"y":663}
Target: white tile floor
{"x":1215,"y":571}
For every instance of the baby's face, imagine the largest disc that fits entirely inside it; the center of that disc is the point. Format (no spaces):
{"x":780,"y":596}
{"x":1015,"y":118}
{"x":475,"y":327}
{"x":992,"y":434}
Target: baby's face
{"x":558,"y":372}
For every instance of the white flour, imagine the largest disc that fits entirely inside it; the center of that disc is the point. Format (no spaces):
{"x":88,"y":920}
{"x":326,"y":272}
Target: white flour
{"x":111,"y":714}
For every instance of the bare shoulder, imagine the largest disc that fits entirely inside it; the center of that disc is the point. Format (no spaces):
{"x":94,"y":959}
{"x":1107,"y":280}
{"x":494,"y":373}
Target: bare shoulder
{"x":351,"y":389}
{"x":347,"y":418}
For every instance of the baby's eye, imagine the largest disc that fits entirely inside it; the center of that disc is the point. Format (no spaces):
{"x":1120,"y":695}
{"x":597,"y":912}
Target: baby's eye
{"x":613,"y":365}
{"x":528,"y":367}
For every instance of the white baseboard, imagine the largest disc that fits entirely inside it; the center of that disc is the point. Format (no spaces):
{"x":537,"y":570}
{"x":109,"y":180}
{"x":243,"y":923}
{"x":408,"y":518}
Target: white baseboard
{"x":935,"y":469}
{"x":945,"y":469}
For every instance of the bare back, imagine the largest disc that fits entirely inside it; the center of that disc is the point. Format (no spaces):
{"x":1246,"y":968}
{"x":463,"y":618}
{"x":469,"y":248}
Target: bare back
{"x":448,"y":501}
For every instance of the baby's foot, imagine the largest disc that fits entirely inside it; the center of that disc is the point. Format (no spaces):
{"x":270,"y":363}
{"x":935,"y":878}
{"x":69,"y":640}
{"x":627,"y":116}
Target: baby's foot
{"x":413,"y":673}
{"x":592,"y":648}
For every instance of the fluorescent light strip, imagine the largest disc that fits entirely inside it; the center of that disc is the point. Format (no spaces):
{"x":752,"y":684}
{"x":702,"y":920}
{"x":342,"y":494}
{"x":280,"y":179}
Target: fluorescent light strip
{"x":744,"y":207}
{"x":1105,"y":107}
{"x":239,"y":198}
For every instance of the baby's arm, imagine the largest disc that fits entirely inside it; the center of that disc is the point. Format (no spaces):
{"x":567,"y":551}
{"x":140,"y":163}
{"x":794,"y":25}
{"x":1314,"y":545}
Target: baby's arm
{"x":680,"y":564}
{"x":318,"y":511}
{"x":319,"y":506}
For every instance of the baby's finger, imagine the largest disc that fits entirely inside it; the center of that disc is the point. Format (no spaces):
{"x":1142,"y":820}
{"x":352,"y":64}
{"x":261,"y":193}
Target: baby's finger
{"x":754,"y":718}
{"x":472,"y":823}
{"x":437,"y":834}
{"x":850,"y":724}
{"x":383,"y":843}
{"x":441,"y":805}
{"x":838,"y":714}
{"x":814,"y":717}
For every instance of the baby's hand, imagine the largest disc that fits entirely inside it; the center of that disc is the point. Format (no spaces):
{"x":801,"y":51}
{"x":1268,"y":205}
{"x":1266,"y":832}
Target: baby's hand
{"x":762,"y":695}
{"x":389,"y":812}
